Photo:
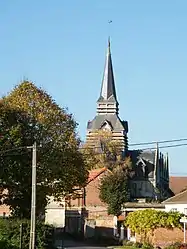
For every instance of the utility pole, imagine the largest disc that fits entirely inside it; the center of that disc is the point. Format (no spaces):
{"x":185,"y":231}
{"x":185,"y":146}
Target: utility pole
{"x":21,"y":235}
{"x":33,"y":199}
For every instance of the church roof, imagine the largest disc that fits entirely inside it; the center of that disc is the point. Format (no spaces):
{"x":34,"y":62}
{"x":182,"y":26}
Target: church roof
{"x":147,"y":155}
{"x":115,"y":121}
{"x":108,"y":91}
{"x":141,"y":159}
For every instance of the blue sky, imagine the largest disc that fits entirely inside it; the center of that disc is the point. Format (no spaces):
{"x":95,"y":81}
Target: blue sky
{"x":61,"y":45}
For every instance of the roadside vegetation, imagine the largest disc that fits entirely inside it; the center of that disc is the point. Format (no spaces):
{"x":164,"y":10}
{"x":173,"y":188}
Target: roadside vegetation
{"x":28,"y":114}
{"x":12,"y":237}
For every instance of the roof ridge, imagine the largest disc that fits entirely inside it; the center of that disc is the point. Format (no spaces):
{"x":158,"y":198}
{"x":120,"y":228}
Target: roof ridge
{"x":99,"y":173}
{"x":177,"y":195}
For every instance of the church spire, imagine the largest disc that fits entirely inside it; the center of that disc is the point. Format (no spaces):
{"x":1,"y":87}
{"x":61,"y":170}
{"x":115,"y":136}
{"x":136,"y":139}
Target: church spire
{"x":107,"y":117}
{"x":108,"y":90}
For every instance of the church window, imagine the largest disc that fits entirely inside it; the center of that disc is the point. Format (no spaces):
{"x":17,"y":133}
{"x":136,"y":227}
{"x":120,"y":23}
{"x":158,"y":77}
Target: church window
{"x":134,"y":188}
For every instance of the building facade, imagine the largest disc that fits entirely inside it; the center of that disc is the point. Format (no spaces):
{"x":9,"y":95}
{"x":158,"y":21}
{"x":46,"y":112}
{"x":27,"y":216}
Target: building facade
{"x":151,"y":179}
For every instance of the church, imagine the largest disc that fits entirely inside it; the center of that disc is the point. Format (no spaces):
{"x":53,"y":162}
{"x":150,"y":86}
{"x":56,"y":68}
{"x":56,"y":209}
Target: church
{"x":107,"y":117}
{"x":84,"y":211}
{"x":151,"y":179}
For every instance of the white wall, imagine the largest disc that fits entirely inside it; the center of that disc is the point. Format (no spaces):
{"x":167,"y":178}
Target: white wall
{"x":55,"y":213}
{"x":182,"y":208}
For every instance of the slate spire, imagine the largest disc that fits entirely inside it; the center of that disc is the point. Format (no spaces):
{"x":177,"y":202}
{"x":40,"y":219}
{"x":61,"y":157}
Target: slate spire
{"x":107,"y":117}
{"x":108,"y":85}
{"x":108,"y":90}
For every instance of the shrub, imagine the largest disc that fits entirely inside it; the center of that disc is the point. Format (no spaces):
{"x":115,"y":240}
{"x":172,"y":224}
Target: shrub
{"x":147,"y":246}
{"x":129,"y":243}
{"x":4,"y":244}
{"x":144,"y":222}
{"x":126,"y":242}
{"x":10,"y":231}
{"x":138,"y":244}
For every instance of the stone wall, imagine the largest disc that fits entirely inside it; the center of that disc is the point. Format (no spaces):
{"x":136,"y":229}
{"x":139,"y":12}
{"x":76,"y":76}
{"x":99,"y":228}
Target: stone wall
{"x":99,"y":223}
{"x":163,"y":237}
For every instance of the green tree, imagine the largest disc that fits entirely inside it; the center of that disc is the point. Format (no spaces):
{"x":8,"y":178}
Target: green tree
{"x":114,"y":186}
{"x":29,"y":114}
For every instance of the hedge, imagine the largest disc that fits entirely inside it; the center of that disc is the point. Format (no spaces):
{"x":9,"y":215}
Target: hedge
{"x":10,"y":234}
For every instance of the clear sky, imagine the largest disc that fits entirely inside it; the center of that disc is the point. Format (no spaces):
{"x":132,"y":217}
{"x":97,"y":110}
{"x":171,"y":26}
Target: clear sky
{"x":61,"y":45}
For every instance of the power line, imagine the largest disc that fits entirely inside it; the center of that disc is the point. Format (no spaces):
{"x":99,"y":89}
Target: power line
{"x":166,"y":146}
{"x":33,"y":194}
{"x":159,"y":142}
{"x":14,"y":154}
{"x":142,"y":149}
{"x":154,"y":142}
{"x":16,"y":148}
{"x":133,"y":144}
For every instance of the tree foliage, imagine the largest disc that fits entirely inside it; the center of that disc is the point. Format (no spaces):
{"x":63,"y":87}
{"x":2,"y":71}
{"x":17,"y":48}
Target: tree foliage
{"x":106,"y":152}
{"x":10,"y":234}
{"x":144,"y":221}
{"x":29,"y":114}
{"x":114,"y":187}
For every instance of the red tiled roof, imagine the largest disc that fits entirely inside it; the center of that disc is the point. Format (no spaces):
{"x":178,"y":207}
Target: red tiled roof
{"x":93,"y":174}
{"x":92,"y":188}
{"x":177,"y":183}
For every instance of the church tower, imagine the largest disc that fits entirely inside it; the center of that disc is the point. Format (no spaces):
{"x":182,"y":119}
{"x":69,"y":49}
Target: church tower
{"x":107,"y":117}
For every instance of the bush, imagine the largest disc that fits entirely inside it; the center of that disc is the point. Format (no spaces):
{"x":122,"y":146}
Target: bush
{"x":147,"y":246}
{"x":138,"y":244}
{"x":10,"y":233}
{"x":4,"y":244}
{"x":145,"y":221}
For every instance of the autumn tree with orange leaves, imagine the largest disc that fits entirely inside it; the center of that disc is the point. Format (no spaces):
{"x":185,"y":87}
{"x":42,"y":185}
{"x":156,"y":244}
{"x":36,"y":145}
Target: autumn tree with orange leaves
{"x":29,"y":114}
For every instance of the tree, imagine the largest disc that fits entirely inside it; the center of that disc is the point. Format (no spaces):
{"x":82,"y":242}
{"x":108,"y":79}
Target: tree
{"x":114,"y":186}
{"x":146,"y":221}
{"x":29,"y":114}
{"x":103,"y":151}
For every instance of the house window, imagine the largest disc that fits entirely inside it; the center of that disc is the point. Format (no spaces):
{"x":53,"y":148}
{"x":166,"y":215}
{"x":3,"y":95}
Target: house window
{"x":174,"y":210}
{"x":134,"y":188}
{"x":185,"y":211}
